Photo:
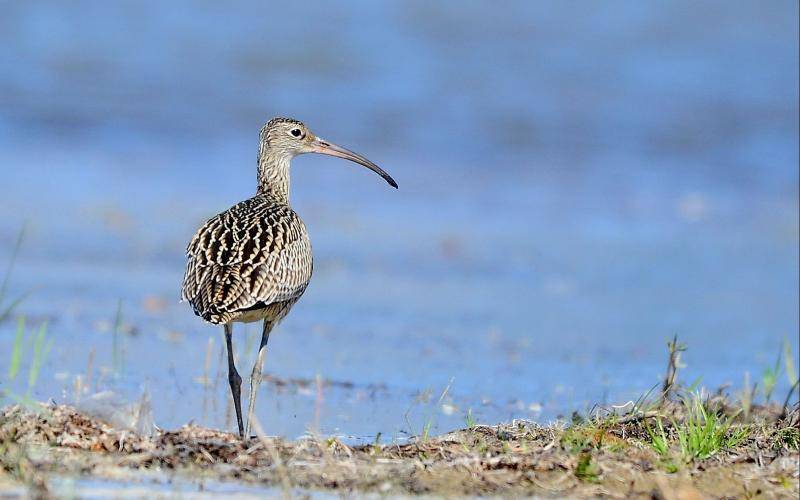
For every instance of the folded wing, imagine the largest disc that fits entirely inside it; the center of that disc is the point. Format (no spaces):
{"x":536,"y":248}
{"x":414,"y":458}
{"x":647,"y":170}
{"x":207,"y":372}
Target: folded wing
{"x":254,"y":254}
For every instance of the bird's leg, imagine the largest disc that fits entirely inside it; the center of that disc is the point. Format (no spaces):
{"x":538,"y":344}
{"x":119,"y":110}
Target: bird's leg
{"x":234,"y":379}
{"x":255,"y":375}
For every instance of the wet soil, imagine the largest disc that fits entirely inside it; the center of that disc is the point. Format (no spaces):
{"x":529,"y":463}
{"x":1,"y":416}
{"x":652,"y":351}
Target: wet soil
{"x":596,"y":457}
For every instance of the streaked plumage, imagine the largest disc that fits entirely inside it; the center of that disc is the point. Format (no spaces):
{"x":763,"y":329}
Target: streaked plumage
{"x":252,"y":256}
{"x":253,"y":261}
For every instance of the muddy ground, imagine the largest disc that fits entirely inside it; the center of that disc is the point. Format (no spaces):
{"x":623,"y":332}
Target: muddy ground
{"x":602,"y":456}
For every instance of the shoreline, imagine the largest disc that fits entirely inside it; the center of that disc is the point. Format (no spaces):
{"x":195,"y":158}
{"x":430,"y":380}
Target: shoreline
{"x":613,"y":455}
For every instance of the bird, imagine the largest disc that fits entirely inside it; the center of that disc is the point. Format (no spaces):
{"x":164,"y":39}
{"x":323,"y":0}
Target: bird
{"x":253,"y":261}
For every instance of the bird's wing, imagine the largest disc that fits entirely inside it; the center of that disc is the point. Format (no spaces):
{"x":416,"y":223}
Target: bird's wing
{"x":256,"y":252}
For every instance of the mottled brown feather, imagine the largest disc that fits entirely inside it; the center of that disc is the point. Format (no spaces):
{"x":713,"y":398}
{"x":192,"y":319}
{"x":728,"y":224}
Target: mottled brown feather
{"x":255,"y":256}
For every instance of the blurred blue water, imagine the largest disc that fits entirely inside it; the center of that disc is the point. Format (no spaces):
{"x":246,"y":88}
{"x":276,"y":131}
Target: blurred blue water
{"x":578,"y":182}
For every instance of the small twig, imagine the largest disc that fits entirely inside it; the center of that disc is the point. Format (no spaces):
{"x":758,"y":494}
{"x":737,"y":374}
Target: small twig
{"x":675,"y":350}
{"x":286,"y":482}
{"x":788,"y":398}
{"x":14,"y":253}
{"x":89,"y":369}
{"x":638,"y":416}
{"x":206,"y":377}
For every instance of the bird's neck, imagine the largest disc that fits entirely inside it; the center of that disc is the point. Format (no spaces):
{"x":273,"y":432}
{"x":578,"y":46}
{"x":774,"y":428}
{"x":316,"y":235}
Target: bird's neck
{"x":273,"y":175}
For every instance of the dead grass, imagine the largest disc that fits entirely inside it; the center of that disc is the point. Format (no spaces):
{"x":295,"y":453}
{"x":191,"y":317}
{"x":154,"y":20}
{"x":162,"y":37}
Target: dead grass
{"x":602,"y":455}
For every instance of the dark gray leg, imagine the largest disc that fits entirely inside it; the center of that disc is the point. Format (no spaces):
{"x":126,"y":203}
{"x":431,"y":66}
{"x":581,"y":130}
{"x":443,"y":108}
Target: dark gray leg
{"x":234,"y":379}
{"x":255,"y":375}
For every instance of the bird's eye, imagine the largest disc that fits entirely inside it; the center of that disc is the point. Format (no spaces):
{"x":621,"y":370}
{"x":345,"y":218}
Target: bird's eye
{"x":296,"y":132}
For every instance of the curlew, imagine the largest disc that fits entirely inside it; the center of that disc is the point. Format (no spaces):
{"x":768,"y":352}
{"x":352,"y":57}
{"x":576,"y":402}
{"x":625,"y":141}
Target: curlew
{"x":253,"y":261}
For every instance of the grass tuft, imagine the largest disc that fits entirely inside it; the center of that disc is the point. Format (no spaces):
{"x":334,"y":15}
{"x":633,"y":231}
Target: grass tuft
{"x":16,"y":350}
{"x":788,"y":437}
{"x":585,"y":470}
{"x":700,"y":434}
{"x":469,"y":419}
{"x":39,"y":345}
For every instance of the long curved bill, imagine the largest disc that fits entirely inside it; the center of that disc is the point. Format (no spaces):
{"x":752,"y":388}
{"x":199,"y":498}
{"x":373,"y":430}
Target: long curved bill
{"x":326,"y":148}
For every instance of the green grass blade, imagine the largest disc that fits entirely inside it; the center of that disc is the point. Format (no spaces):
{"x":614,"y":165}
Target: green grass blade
{"x":13,"y":305}
{"x":40,"y":350}
{"x":16,"y":350}
{"x":791,"y":371}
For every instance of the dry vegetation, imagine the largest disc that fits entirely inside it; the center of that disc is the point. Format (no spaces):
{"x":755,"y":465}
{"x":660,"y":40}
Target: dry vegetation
{"x":611,"y":456}
{"x":679,"y":443}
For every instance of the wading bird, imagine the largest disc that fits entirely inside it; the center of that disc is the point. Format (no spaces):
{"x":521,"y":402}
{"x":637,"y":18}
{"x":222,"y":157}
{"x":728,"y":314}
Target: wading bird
{"x":253,"y":261}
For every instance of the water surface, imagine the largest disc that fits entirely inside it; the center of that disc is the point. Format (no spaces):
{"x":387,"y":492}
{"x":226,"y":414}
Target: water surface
{"x":577,"y":185}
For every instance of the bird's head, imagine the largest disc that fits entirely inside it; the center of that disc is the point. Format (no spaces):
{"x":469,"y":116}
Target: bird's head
{"x":289,"y":138}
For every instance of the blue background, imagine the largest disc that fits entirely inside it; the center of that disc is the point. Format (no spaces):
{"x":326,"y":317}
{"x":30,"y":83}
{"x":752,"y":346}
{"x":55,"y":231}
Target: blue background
{"x":579,"y":182}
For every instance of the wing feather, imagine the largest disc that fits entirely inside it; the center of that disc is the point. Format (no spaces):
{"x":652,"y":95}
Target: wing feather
{"x":255,"y":253}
